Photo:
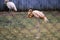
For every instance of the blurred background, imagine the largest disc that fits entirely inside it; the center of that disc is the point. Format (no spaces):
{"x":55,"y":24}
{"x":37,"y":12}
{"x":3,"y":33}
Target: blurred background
{"x":19,"y":27}
{"x":34,"y":4}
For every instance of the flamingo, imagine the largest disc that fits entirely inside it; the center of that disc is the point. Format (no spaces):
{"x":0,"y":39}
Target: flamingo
{"x":37,"y":14}
{"x":10,"y":5}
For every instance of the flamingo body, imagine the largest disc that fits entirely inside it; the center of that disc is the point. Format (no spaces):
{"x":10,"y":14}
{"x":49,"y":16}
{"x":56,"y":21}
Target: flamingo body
{"x":11,"y":5}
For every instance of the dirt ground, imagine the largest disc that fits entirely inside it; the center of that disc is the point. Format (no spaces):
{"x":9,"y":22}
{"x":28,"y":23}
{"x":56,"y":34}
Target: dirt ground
{"x":16,"y":26}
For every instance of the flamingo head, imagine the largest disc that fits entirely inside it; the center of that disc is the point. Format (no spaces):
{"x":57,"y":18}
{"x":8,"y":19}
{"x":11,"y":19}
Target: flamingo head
{"x":30,"y":13}
{"x":6,"y":1}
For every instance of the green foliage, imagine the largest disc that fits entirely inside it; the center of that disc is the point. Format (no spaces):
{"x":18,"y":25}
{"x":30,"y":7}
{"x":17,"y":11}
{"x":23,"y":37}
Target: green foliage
{"x":20,"y":27}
